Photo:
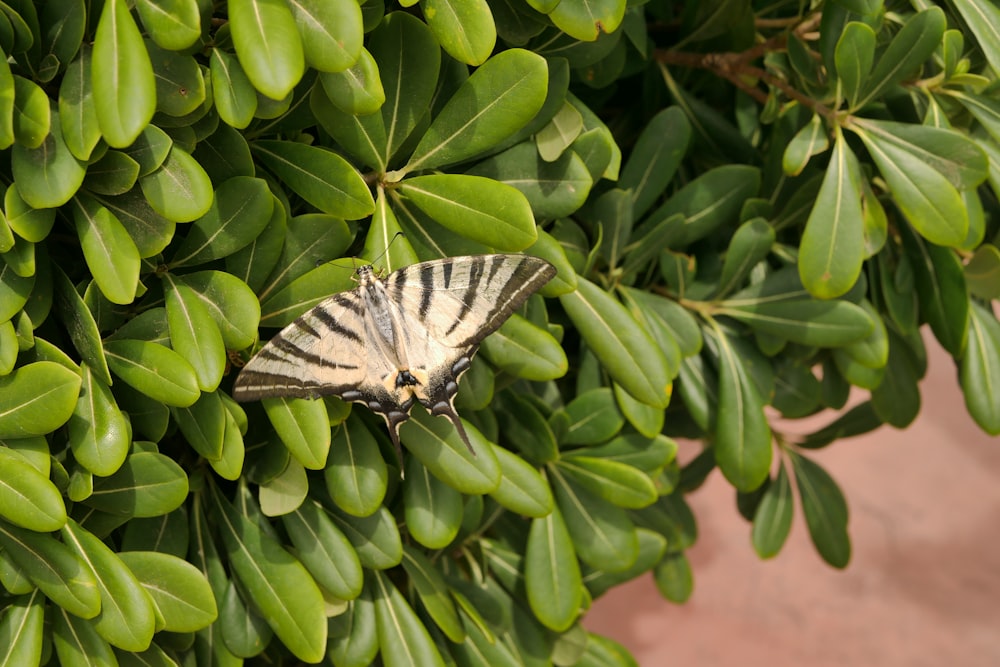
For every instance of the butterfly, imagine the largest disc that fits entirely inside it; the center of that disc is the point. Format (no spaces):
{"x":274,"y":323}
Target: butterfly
{"x":391,"y":341}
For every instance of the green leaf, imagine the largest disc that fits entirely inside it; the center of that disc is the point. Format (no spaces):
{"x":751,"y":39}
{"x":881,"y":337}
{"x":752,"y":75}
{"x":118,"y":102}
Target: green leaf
{"x":173,"y":24}
{"x":179,"y":189}
{"x":77,"y":642}
{"x":553,"y":189}
{"x":98,"y":432}
{"x":113,"y":174}
{"x":21,"y":630}
{"x":750,"y":244}
{"x":353,"y":639}
{"x":331,"y":33}
{"x":854,"y":56}
{"x":233,"y":94}
{"x":593,"y":417}
{"x":54,"y":568}
{"x":268,"y":45}
{"x":465,"y":29}
{"x":36,"y":399}
{"x":7,"y":106}
{"x":625,"y":351}
{"x":929,"y":201}
{"x":321,"y":177}
{"x":896,"y":399}
{"x":180,"y":593}
{"x":355,"y":473}
{"x":275,"y":582}
{"x":825,"y":510}
{"x":941,"y":290}
{"x":652,"y":547}
{"x":707,"y":202}
{"x":180,"y":86}
{"x":773,"y":519}
{"x":154,"y":370}
{"x":375,"y":538}
{"x":982,"y":19}
{"x":110,"y":252}
{"x":356,"y":91}
{"x":230,"y":302}
{"x":673,"y":578}
{"x":979,"y":370}
{"x":524,"y":427}
{"x":586,"y":20}
{"x":203,"y":424}
{"x":31,"y":123}
{"x":809,"y":322}
{"x":480,"y":209}
{"x":409,"y":60}
{"x":47,"y":176}
{"x":524,"y":350}
{"x":121,"y":62}
{"x":618,"y":483}
{"x":403,"y":639}
{"x":490,"y":106}
{"x":552,"y":573}
{"x":324,"y":550}
{"x":654,"y":160}
{"x":433,"y":509}
{"x":742,"y":434}
{"x":436,"y":443}
{"x":833,"y":242}
{"x":147,"y":484}
{"x":127,"y":619}
{"x":911,"y":46}
{"x":303,"y":426}
{"x":284,"y":492}
{"x":522,"y":489}
{"x":603,"y":536}
{"x":433,"y":592}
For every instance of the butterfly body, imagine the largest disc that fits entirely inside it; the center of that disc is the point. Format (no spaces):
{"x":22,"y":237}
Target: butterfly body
{"x":395,"y":340}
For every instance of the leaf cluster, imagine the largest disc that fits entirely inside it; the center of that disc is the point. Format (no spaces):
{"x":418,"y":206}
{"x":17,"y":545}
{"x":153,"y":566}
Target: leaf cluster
{"x":752,"y":212}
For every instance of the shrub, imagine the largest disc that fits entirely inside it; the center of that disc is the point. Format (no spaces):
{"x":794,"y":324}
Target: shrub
{"x":755,"y":207}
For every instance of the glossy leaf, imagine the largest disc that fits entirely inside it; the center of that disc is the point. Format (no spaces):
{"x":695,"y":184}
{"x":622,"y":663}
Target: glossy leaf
{"x":773,"y":519}
{"x":526,"y":351}
{"x":742,"y":434}
{"x":465,"y":29}
{"x":21,"y":630}
{"x":321,"y":177}
{"x":480,"y":209}
{"x":98,"y":432}
{"x":910,"y":47}
{"x":436,"y":443}
{"x":229,"y":302}
{"x":324,"y":550}
{"x":303,"y":427}
{"x":154,"y":370}
{"x":194,"y":334}
{"x":825,"y":510}
{"x":268,"y":44}
{"x":355,"y":473}
{"x":357,"y":90}
{"x":433,"y":509}
{"x":618,"y":483}
{"x":833,"y":243}
{"x":147,"y":484}
{"x":979,"y":371}
{"x":522,"y":489}
{"x":941,"y":291}
{"x":203,"y":425}
{"x":47,"y":176}
{"x":809,"y":322}
{"x":36,"y":399}
{"x":283,"y":591}
{"x":403,"y":639}
{"x":173,"y":24}
{"x":180,"y":593}
{"x":179,"y":189}
{"x":552,"y":573}
{"x":331,"y":33}
{"x":121,"y":62}
{"x":492,"y":104}
{"x":233,"y":94}
{"x":627,"y":352}
{"x":433,"y":592}
{"x":375,"y":538}
{"x":127,"y":619}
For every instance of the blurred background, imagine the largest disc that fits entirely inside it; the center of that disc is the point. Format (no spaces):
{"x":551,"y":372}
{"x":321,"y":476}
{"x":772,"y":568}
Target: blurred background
{"x":923,"y":585}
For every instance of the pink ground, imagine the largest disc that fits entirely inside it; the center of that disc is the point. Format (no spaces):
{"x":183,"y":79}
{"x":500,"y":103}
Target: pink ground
{"x":922,"y":588}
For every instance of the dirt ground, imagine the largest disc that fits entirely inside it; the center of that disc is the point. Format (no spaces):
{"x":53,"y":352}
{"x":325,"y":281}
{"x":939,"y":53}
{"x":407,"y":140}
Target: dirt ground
{"x":922,"y":588}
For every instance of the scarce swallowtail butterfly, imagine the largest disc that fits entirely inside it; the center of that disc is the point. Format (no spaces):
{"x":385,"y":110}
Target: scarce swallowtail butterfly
{"x":391,"y":341}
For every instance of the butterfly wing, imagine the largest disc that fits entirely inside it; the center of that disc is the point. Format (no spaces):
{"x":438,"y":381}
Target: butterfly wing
{"x":326,"y":351}
{"x":449,"y":306}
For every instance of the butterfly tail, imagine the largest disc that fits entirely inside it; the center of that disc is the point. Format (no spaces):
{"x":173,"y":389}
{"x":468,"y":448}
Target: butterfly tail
{"x":449,"y":412}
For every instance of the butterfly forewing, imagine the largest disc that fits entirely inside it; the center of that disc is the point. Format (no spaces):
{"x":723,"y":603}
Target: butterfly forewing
{"x":390,"y":342}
